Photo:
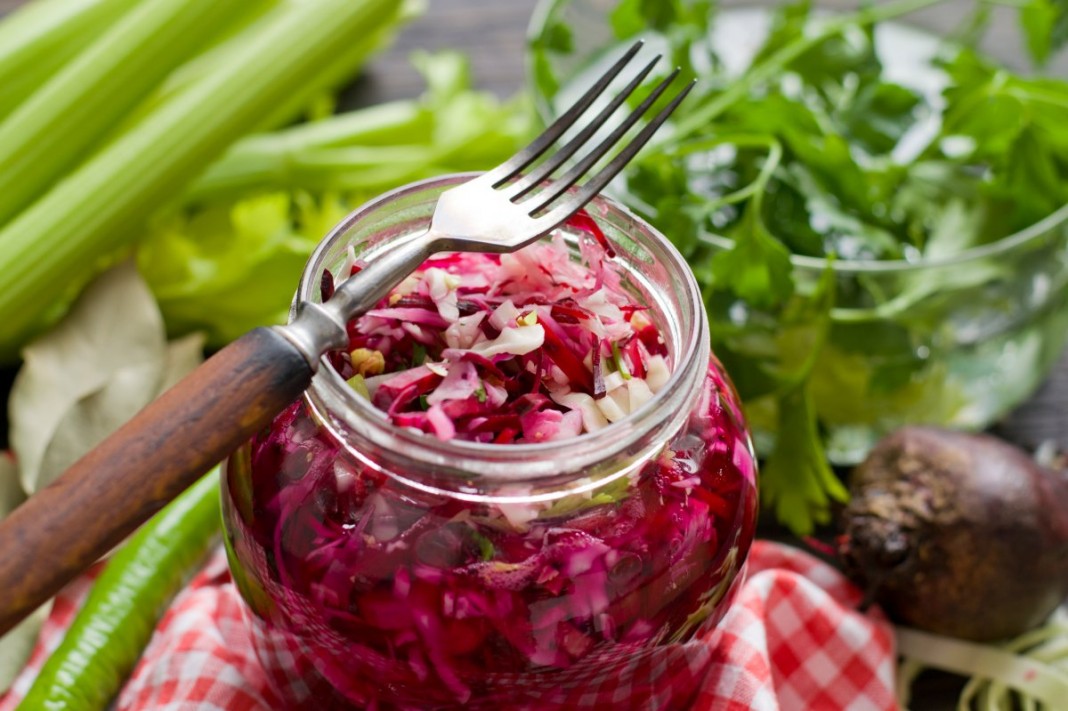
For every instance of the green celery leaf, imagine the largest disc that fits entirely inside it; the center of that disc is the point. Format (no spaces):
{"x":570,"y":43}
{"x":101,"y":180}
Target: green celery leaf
{"x":447,"y":75}
{"x":229,"y":269}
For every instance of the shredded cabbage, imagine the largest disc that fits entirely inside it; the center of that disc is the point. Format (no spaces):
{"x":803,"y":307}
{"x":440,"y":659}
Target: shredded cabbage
{"x":536,"y":326}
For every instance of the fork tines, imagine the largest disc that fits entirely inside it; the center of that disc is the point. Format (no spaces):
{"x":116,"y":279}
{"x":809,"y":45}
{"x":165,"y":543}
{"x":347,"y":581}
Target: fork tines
{"x":522,"y":174}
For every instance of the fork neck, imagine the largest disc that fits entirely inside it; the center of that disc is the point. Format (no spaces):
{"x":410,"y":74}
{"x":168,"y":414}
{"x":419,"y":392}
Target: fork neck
{"x":317,"y":324}
{"x":320,"y":327}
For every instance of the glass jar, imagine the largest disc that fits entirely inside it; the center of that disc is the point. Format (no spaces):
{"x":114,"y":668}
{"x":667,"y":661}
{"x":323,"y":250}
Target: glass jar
{"x":384,"y":568}
{"x":956,"y":342}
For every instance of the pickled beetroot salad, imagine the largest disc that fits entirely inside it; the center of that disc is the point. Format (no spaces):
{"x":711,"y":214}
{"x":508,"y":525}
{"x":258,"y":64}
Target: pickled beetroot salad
{"x":397,"y":598}
{"x":525,"y":347}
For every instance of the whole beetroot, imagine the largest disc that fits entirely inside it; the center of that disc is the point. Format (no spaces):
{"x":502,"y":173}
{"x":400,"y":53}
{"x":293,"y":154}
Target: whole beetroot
{"x":958,"y":534}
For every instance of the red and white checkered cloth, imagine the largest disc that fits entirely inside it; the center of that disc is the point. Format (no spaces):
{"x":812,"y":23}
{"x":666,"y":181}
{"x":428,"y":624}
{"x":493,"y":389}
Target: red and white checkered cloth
{"x":792,"y":640}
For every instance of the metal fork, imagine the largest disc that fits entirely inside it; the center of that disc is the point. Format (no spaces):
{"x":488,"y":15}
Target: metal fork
{"x":101,"y":498}
{"x":501,"y":210}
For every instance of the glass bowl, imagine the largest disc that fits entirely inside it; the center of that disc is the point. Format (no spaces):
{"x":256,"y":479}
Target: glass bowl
{"x":956,"y":341}
{"x":383,"y":568}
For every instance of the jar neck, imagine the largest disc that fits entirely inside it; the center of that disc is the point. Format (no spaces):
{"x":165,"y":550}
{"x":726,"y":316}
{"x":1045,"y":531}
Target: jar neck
{"x":652,"y":270}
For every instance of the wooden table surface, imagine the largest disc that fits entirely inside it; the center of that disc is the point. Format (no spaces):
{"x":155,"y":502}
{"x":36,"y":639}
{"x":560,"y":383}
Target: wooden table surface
{"x":492,"y":33}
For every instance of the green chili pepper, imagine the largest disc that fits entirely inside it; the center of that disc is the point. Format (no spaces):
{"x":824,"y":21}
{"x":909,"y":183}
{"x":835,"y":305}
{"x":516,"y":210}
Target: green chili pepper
{"x":113,"y":627}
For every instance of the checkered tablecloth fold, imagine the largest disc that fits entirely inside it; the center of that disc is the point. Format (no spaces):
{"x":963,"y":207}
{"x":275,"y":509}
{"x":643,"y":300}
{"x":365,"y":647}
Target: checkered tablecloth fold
{"x":792,"y":640}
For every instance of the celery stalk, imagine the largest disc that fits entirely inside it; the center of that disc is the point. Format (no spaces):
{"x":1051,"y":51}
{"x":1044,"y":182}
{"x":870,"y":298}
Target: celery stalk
{"x":329,"y":77}
{"x":60,"y":123}
{"x":52,"y":248}
{"x":448,"y":129}
{"x":40,"y":37}
{"x":341,"y":68}
{"x":348,"y":169}
{"x":269,"y":160}
{"x":390,"y":122}
{"x":206,"y":63}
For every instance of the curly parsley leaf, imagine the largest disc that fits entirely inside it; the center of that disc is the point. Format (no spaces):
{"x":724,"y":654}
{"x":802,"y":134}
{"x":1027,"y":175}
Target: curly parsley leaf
{"x":1045,"y":27}
{"x":757,"y":268}
{"x":796,"y":482}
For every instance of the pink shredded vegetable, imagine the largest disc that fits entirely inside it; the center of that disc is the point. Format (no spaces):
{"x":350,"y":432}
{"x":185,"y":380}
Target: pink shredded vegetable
{"x":493,"y":348}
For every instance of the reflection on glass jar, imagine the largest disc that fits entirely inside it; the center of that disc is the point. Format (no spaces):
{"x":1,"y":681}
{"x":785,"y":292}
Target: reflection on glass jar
{"x":385,"y":568}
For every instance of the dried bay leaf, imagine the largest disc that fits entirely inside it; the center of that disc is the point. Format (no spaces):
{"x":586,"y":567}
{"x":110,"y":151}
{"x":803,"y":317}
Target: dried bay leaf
{"x":99,"y":414}
{"x":91,"y":373}
{"x":87,"y":422}
{"x":183,"y":356}
{"x":11,"y":493}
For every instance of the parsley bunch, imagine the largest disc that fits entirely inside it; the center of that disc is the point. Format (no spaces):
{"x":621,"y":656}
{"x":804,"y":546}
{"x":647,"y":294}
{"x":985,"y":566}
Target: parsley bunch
{"x":816,"y":150}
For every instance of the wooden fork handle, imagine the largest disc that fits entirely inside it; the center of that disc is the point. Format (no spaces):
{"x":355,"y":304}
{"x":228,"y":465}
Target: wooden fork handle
{"x":64,"y":528}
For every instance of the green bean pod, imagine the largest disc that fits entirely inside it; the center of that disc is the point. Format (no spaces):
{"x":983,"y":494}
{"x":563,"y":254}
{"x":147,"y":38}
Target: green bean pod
{"x":116,"y":622}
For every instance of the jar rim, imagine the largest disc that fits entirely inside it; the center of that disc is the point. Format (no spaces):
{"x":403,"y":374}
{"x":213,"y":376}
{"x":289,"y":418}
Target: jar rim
{"x":363,"y":418}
